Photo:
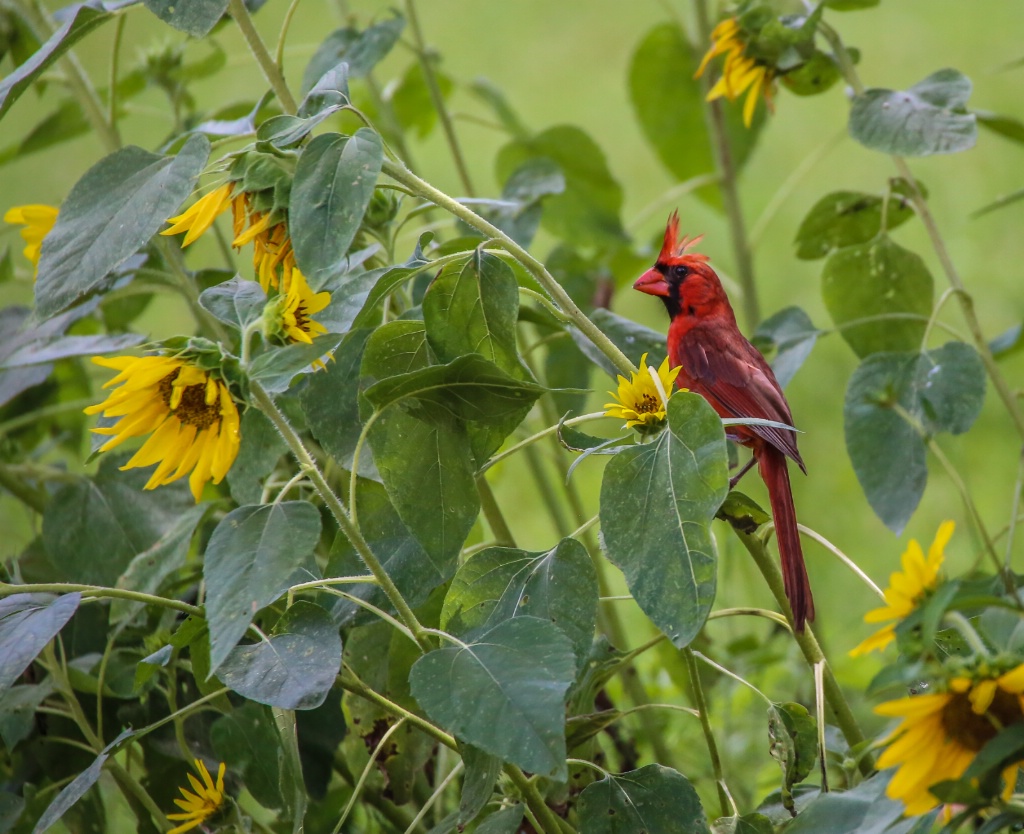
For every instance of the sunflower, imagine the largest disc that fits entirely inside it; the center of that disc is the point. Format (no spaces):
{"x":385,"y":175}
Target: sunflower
{"x":740,"y":71}
{"x":267,"y":231}
{"x":299,"y":304}
{"x":189,"y":414}
{"x":642,"y":401}
{"x":198,"y":807}
{"x":38,"y":220}
{"x":941,"y":733}
{"x":907,"y":590}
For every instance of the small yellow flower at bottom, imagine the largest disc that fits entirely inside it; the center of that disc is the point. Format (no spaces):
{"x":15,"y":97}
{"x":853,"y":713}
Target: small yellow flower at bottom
{"x":198,"y":807}
{"x":642,"y":401}
{"x":941,"y":733}
{"x":907,"y":590}
{"x":189,"y":414}
{"x":38,"y":220}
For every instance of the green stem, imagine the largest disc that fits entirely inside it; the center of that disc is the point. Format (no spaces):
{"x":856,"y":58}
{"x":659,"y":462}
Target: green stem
{"x":31,"y":497}
{"x":267,"y":405}
{"x":403,"y":175}
{"x":283,"y":37}
{"x":100,"y":592}
{"x":44,"y":413}
{"x":492,"y":512}
{"x":726,"y":165}
{"x":430,"y":77}
{"x":938,"y":244}
{"x":700,"y":702}
{"x":84,"y":93}
{"x":115,"y":57}
{"x":966,"y":630}
{"x":551,"y":823}
{"x":238,"y":11}
{"x":809,"y":647}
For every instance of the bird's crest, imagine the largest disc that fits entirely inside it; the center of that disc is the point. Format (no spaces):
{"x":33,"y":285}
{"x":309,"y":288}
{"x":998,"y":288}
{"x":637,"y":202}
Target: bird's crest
{"x":674,"y":247}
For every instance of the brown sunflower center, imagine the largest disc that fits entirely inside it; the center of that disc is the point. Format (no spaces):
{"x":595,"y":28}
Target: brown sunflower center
{"x":972,"y":731}
{"x":193,"y":410}
{"x":647,"y":404}
{"x":301,"y":317}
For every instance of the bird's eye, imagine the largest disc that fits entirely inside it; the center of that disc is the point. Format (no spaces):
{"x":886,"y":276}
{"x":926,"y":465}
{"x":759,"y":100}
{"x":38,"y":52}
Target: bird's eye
{"x":679,"y":272}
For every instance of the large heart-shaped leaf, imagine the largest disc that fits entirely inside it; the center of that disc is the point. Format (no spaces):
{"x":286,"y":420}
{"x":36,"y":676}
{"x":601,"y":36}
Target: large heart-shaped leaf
{"x":658,"y":500}
{"x":651,"y":800}
{"x":504,"y":693}
{"x":27,"y":623}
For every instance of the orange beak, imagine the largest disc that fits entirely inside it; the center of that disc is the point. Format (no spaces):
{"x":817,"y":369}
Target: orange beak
{"x":652,"y":282}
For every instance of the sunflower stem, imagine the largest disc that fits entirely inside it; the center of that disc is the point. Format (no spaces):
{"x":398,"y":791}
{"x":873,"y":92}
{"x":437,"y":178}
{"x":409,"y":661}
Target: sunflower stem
{"x":492,"y":512}
{"x":726,"y":166}
{"x":267,"y":405}
{"x":424,"y":54}
{"x":238,"y":11}
{"x":809,"y":647}
{"x":699,"y":701}
{"x":404,"y":176}
{"x":99,"y":592}
{"x":968,"y":632}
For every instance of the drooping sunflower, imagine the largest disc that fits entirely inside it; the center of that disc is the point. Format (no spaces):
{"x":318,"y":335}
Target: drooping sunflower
{"x":299,"y":305}
{"x":189,"y":414}
{"x":198,"y":807}
{"x":740,"y":71}
{"x":642,"y":401}
{"x":267,"y":230}
{"x":907,"y":589}
{"x":941,"y":733}
{"x":38,"y":220}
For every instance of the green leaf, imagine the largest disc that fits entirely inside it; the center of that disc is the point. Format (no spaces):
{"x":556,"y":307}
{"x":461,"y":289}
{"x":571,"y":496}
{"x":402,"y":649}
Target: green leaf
{"x":791,"y":335}
{"x":328,"y":95}
{"x":742,"y":512}
{"x":194,"y":17}
{"x":587,"y":212}
{"x":863,"y":810}
{"x":942,"y":390}
{"x":410,"y":567}
{"x":147,"y":571}
{"x":64,"y":347}
{"x":113,"y":210}
{"x":94,"y":527}
{"x":334,"y":181}
{"x":747,"y":824}
{"x":362,"y":51}
{"x":237,"y":302}
{"x":850,"y":5}
{"x":295,"y":669}
{"x":658,"y":500}
{"x":928,"y":118}
{"x":76,"y":789}
{"x":1008,"y":342}
{"x":844,"y":218}
{"x":482,"y":772}
{"x":27,"y":623}
{"x":669,"y":106}
{"x":505,"y":820}
{"x":251,"y":556}
{"x":85,"y":18}
{"x":247,"y":741}
{"x":813,"y":76}
{"x":631,"y":338}
{"x":411,"y":101}
{"x":330,"y":402}
{"x":258,"y":454}
{"x":878,"y":278}
{"x":520,"y":208}
{"x":468,"y":388}
{"x":500,"y":583}
{"x":1005,"y":126}
{"x":278,"y":366}
{"x":793,"y":743}
{"x":651,"y":800}
{"x":504,"y":693}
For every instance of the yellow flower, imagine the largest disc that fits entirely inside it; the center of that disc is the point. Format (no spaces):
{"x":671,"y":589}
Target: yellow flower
{"x":272,"y":246}
{"x":300,"y":304}
{"x":642,"y":400}
{"x":941,"y":733}
{"x":38,"y":220}
{"x":739,"y":72}
{"x":189,"y":414}
{"x":198,"y":807}
{"x":907,"y":590}
{"x":196,"y":219}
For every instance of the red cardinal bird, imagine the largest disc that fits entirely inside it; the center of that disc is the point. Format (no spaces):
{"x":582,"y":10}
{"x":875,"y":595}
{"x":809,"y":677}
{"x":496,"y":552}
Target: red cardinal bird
{"x":731,"y":374}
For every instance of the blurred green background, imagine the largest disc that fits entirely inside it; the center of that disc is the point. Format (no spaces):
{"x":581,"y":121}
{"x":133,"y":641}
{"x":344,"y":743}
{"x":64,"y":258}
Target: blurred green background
{"x":567,"y":63}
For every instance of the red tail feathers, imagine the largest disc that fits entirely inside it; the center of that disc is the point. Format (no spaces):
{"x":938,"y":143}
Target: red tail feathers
{"x":772,"y":465}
